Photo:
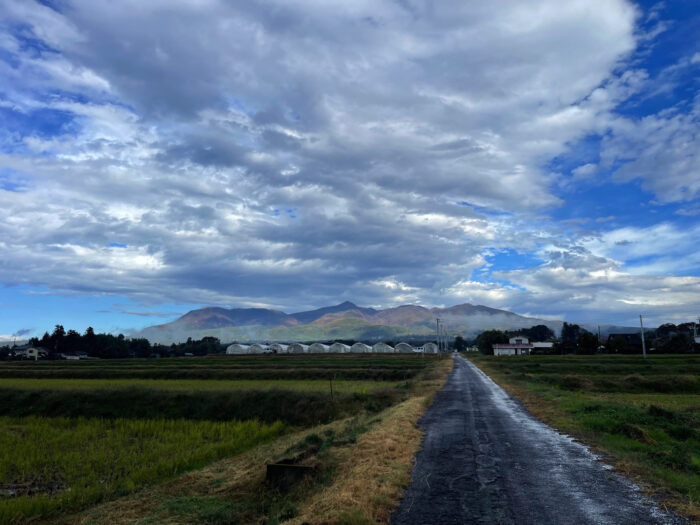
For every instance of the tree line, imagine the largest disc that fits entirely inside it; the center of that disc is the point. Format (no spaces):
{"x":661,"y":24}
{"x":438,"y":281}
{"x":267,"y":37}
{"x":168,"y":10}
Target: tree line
{"x":110,"y":346}
{"x":666,"y":339}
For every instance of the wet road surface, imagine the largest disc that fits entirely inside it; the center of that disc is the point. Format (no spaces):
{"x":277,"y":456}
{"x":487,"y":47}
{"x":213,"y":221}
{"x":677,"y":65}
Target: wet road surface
{"x":485,"y":459}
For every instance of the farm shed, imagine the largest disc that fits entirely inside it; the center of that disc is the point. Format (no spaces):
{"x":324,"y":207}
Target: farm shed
{"x":298,"y":348}
{"x":318,"y":348}
{"x":339,"y":348}
{"x":361,"y":348}
{"x":382,"y":348}
{"x":237,"y":349}
{"x":403,"y":348}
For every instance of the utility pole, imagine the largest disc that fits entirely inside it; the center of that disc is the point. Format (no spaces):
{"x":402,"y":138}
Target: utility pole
{"x":437,"y":332}
{"x":644,"y":346}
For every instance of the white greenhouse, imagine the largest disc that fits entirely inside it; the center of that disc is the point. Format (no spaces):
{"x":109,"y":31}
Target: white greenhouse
{"x":237,"y":349}
{"x":361,"y":348}
{"x":403,"y":348}
{"x":318,"y":348}
{"x":339,"y":348}
{"x":382,"y":348}
{"x":277,"y":348}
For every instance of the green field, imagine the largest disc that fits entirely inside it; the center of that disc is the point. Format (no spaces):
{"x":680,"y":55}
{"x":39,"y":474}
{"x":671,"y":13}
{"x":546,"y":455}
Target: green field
{"x":76,"y":433}
{"x":55,"y":464}
{"x":299,"y":385}
{"x":646,"y":413}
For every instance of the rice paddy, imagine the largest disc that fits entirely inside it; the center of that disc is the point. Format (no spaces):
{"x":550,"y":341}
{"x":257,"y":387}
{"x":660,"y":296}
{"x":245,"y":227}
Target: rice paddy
{"x":73,"y":434}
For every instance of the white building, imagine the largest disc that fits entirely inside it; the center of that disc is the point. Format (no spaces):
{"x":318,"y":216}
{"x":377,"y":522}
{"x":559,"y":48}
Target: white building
{"x":339,"y":348}
{"x":518,"y":345}
{"x":237,"y":349}
{"x":257,"y":349}
{"x":318,"y":348}
{"x":427,"y":348}
{"x":382,"y":348}
{"x":297,"y":348}
{"x":361,"y":348}
{"x":276,"y":348}
{"x":403,"y":348}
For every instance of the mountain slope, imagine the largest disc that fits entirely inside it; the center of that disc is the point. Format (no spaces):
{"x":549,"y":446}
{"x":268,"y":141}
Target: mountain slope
{"x":346,"y":309}
{"x":342,"y":321}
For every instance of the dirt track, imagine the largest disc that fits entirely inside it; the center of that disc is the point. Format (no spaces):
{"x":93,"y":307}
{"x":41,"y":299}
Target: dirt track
{"x":485,"y":459}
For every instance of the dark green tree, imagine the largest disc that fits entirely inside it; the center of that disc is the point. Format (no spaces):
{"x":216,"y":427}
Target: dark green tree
{"x":460,"y":344}
{"x":539,"y":332}
{"x":587,"y":343}
{"x":487,"y":339}
{"x":570,"y":332}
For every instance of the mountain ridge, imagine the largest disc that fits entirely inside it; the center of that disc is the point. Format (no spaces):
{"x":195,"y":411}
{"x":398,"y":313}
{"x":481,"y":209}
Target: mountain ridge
{"x":342,"y":321}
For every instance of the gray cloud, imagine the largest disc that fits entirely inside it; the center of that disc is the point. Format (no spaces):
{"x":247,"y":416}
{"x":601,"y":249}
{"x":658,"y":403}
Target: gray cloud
{"x":295,"y":154}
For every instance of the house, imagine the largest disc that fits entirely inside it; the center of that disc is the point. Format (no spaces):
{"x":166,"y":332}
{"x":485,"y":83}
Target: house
{"x":30,"y":352}
{"x":517,"y":345}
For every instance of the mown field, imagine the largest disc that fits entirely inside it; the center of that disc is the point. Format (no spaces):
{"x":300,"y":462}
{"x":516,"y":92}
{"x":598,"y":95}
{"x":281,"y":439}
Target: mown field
{"x":645,"y":413}
{"x":73,"y":434}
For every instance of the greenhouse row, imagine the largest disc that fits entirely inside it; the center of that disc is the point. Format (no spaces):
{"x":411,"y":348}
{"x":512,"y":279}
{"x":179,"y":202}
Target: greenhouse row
{"x":335,"y":348}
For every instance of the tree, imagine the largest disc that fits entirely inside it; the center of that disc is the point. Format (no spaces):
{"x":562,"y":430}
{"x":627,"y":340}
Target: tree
{"x":539,"y":332}
{"x":487,"y":339}
{"x":57,"y":339}
{"x":460,"y":344}
{"x":570,"y":332}
{"x":587,"y":342}
{"x":680,"y":343}
{"x":665,"y":330}
{"x":90,"y":341}
{"x":617,"y":345}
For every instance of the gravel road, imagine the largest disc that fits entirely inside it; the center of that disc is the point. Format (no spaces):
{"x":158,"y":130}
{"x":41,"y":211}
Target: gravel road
{"x":485,"y":459}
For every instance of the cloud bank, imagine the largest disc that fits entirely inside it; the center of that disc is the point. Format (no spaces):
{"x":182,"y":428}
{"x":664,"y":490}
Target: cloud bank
{"x":295,"y":154}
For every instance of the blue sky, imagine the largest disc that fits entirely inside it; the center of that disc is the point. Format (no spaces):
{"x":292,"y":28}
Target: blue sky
{"x":537,"y":156}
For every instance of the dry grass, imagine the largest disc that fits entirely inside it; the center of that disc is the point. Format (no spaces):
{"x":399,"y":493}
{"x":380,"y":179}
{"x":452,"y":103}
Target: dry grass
{"x":372,"y":474}
{"x":367,"y":476}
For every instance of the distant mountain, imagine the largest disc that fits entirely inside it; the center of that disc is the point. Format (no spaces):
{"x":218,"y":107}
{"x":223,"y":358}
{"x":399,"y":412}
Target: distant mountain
{"x":342,"y":321}
{"x":346,"y":309}
{"x":218,"y":317}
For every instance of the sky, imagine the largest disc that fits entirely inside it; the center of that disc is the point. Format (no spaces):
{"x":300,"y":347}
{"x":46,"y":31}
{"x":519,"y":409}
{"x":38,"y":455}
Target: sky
{"x":534,"y":155}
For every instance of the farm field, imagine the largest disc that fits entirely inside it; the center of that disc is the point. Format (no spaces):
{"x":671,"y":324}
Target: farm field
{"x":316,"y":366}
{"x":644,"y":413}
{"x":69,"y":443}
{"x":309,"y":385}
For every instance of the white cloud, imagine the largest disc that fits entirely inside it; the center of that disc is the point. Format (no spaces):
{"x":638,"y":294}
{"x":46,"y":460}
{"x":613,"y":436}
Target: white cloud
{"x":315,"y":151}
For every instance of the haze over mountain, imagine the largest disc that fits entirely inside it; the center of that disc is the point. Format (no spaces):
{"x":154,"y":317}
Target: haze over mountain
{"x":342,"y":321}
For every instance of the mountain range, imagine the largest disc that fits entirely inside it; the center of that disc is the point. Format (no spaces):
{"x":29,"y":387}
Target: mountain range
{"x":342,"y":321}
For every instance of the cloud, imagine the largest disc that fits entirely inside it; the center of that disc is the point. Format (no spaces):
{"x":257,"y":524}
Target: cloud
{"x":300,"y":153}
